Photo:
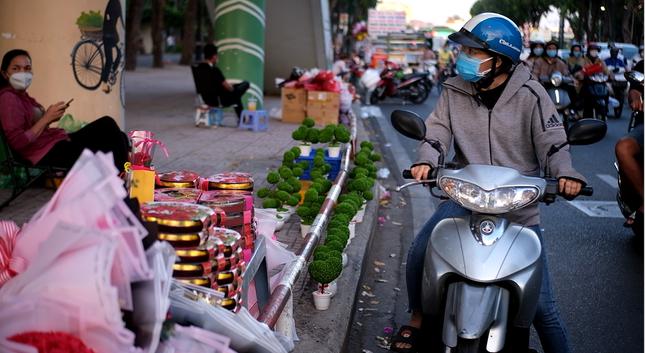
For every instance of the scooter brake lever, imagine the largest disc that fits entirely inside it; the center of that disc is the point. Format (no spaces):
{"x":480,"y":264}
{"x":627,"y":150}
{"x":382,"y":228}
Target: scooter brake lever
{"x":401,"y":187}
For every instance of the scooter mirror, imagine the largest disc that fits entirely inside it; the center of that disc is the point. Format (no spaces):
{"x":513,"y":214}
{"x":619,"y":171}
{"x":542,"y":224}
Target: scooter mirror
{"x":586,"y":132}
{"x":635,"y":76}
{"x":409,"y":124}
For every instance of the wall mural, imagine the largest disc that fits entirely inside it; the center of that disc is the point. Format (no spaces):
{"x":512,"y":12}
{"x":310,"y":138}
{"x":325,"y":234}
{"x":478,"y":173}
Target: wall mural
{"x":97,"y":57}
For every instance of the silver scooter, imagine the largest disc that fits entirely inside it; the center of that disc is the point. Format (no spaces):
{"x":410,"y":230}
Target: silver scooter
{"x":482,"y":273}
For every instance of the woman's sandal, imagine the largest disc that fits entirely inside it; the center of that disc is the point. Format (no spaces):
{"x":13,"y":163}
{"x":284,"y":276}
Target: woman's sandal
{"x":406,"y":340}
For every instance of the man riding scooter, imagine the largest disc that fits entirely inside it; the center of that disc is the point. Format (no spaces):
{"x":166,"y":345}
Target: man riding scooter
{"x":544,"y":70}
{"x":595,"y":93}
{"x":616,"y":66}
{"x":495,"y":114}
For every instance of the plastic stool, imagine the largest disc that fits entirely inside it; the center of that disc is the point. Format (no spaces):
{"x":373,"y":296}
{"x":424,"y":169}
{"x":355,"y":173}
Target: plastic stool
{"x":256,"y":120}
{"x":208,"y":116}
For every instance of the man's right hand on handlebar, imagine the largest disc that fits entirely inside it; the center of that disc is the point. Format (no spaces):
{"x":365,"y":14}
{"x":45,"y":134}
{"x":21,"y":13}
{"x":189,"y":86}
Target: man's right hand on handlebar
{"x":420,"y":171}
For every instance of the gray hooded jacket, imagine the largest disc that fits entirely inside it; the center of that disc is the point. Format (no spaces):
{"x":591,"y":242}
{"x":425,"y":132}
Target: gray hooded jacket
{"x":517,"y":133}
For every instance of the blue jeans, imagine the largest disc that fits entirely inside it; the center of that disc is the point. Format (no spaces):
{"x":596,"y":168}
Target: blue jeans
{"x":547,"y":321}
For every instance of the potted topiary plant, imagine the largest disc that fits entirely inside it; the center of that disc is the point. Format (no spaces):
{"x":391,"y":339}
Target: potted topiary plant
{"x":334,"y":135}
{"x":324,"y":272}
{"x":307,"y":134}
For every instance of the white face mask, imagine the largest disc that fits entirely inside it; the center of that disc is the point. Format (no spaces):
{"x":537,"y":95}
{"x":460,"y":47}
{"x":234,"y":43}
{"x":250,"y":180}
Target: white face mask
{"x":593,"y":53}
{"x":20,"y":80}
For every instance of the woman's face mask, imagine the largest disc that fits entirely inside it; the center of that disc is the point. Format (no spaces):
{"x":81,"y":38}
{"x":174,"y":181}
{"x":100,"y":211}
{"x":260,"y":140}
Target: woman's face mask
{"x":593,"y":53}
{"x":577,"y":53}
{"x":468,"y":67}
{"x":552,"y":53}
{"x":538,"y":51}
{"x":20,"y":80}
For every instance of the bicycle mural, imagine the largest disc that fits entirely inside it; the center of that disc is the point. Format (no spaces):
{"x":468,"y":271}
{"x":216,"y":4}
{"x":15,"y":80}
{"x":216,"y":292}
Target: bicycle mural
{"x":97,"y":57}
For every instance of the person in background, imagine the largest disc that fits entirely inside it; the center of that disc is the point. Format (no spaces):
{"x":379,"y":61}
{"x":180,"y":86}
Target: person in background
{"x":26,"y":123}
{"x":227,"y":94}
{"x":617,"y":66}
{"x":546,"y":65}
{"x":537,"y":51}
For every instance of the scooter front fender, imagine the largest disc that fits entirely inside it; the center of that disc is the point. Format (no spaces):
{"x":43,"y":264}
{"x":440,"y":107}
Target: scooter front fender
{"x":474,"y":311}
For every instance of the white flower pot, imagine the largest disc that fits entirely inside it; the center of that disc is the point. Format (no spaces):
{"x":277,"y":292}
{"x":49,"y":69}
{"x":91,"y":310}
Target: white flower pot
{"x":322,"y":300}
{"x":331,"y":288}
{"x":279,"y":224}
{"x":305,"y":150}
{"x":352,"y":230}
{"x":304,"y":229}
{"x":285,"y":216}
{"x":333,"y":151}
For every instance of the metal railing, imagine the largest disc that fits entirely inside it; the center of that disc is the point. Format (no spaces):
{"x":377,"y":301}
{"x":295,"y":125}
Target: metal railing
{"x":283,"y":290}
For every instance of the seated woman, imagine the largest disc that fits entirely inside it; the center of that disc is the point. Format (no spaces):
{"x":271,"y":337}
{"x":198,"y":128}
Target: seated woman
{"x":26,"y":123}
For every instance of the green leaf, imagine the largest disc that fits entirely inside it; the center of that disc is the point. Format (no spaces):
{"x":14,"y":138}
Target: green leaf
{"x":273,"y":177}
{"x":309,"y":122}
{"x":264,"y":192}
{"x":271,"y":203}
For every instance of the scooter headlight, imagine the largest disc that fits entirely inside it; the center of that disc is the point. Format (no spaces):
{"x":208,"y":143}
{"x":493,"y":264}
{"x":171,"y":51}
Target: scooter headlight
{"x":556,"y":79}
{"x":496,"y":201}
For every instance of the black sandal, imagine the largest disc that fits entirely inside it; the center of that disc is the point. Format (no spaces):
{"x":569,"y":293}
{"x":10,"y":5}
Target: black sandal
{"x":407,"y":335}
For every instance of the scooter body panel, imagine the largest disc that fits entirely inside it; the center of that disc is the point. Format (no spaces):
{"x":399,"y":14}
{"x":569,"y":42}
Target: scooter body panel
{"x":508,"y":256}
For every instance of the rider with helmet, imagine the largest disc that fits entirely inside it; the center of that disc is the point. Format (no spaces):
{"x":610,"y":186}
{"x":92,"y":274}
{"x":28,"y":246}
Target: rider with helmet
{"x":494,"y":113}
{"x":616,"y":66}
{"x":550,"y":63}
{"x":537,"y":51}
{"x":592,"y":90}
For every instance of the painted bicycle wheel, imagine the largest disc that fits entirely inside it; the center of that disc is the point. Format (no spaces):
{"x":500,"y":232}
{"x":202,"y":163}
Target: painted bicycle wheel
{"x":87,"y":64}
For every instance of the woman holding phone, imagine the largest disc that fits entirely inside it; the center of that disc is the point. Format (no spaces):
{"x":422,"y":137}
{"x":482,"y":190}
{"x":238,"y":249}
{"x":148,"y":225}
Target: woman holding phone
{"x":25,"y":122}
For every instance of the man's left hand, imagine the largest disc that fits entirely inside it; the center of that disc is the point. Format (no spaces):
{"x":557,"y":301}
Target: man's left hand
{"x":569,"y":188}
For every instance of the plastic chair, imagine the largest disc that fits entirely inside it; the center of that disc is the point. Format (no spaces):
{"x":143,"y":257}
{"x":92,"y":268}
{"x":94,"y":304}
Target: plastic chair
{"x":256,"y":120}
{"x":211,"y":114}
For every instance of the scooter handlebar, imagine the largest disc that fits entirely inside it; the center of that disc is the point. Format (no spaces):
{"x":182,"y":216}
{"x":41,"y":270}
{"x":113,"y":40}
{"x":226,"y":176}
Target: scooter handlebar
{"x":407,"y":174}
{"x":586,"y":191}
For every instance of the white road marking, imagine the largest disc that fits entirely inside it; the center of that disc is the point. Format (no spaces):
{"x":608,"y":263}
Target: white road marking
{"x":609,"y":179}
{"x":605,"y":209}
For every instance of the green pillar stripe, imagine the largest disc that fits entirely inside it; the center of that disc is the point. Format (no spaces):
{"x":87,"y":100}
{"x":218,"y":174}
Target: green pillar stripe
{"x":239,"y":7}
{"x":242,"y":42}
{"x":239,"y":29}
{"x":244,"y":5}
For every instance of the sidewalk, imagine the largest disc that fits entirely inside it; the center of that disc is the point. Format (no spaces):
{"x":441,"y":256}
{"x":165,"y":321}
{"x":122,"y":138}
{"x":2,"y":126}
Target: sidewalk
{"x":162,"y":101}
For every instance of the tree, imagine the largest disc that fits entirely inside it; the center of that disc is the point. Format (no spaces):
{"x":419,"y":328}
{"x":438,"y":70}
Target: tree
{"x":157,"y":32}
{"x":519,"y":11}
{"x":188,"y":39}
{"x":132,"y":33}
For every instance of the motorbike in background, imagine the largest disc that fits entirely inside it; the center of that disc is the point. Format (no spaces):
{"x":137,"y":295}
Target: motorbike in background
{"x":393,"y":83}
{"x":556,"y":88}
{"x":482,"y":273}
{"x":619,"y":86}
{"x":596,"y":93}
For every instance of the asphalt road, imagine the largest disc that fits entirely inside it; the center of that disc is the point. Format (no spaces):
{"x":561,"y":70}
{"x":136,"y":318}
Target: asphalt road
{"x":596,"y":271}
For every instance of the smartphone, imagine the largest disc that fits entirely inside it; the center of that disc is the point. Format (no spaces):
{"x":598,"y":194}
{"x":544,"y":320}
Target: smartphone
{"x":70,"y":101}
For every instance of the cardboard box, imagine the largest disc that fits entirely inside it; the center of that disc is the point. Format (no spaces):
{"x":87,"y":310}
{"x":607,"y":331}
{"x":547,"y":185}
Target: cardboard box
{"x":294,"y":105}
{"x":323,"y":107}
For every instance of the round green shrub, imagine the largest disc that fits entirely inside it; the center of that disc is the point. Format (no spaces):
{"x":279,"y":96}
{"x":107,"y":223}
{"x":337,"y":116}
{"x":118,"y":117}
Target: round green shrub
{"x":270,"y":203}
{"x":362,"y":160}
{"x":346,"y":208}
{"x":283,"y":196}
{"x":336,"y":245}
{"x":321,"y":256}
{"x":316,"y":174}
{"x":375,"y":157}
{"x":325,"y":135}
{"x":318,"y":187}
{"x":284,"y":186}
{"x":288,"y":156}
{"x":344,"y":219}
{"x":319,"y":161}
{"x":326,"y":168}
{"x":300,"y":133}
{"x":311,"y":195}
{"x":304,"y":165}
{"x":297,"y":171}
{"x":263,"y":192}
{"x":367,"y":145}
{"x":273,"y":177}
{"x":309,"y":122}
{"x":321,"y":249}
{"x":341,"y":134}
{"x":333,"y":253}
{"x":361,"y":184}
{"x":312,"y":135}
{"x":295,"y":184}
{"x":324,"y":271}
{"x":285,"y":172}
{"x":343,"y":230}
{"x":368,"y":195}
{"x":293,"y":201}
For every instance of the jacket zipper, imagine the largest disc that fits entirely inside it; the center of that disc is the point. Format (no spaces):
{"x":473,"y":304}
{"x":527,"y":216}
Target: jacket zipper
{"x":490,"y":144}
{"x":457,"y":89}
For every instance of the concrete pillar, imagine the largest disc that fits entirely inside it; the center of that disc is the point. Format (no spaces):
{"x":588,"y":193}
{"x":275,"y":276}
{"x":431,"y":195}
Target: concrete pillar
{"x":48,"y":31}
{"x":239,"y":36}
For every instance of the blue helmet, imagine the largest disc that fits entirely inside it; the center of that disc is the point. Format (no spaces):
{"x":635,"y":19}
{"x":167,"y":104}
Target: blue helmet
{"x":492,"y":32}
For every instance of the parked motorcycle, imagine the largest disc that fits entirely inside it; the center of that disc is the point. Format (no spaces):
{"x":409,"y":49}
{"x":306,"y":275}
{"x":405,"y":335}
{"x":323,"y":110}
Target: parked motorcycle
{"x":628,"y":199}
{"x":619,"y":86}
{"x":556,"y":88}
{"x":392,"y":83}
{"x":482,"y":274}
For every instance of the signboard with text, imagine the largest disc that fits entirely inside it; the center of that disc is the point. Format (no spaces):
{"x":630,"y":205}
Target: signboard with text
{"x":384,"y":22}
